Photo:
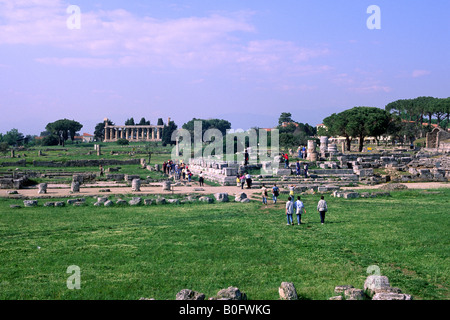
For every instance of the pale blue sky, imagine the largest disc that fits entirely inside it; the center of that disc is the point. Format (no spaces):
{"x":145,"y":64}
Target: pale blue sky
{"x":240,"y":60}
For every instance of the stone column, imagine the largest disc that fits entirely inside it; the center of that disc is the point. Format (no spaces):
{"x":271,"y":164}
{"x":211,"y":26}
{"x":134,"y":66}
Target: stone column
{"x":323,"y":145}
{"x":75,"y":187}
{"x":126,"y":133}
{"x":153,"y":133}
{"x":136,"y":185}
{"x":148,"y":134}
{"x":157,"y":134}
{"x":42,"y":188}
{"x":312,"y":154}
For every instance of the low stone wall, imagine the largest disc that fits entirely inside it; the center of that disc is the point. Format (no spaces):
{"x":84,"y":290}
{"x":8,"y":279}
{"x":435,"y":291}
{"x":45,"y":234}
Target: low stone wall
{"x":85,"y":163}
{"x":20,"y":163}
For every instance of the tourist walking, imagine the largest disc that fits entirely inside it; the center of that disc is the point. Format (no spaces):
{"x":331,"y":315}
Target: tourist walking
{"x":264,"y":194}
{"x":101,"y":171}
{"x":289,"y":211}
{"x":305,"y":169}
{"x":299,"y":209}
{"x":242,"y":181}
{"x":291,"y":191}
{"x":200,"y":178}
{"x":297,"y":168}
{"x":286,"y":160}
{"x":238,"y":180}
{"x":322,"y":207}
{"x":248,"y":179}
{"x":275,"y":193}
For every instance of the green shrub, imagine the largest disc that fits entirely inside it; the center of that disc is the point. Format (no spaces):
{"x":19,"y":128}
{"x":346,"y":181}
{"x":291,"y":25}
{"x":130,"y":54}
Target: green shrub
{"x":123,"y":142}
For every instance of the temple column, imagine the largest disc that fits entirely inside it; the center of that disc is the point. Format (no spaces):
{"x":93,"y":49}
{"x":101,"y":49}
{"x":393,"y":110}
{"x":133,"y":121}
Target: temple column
{"x":157,"y":134}
{"x":126,"y":133}
{"x":153,"y":133}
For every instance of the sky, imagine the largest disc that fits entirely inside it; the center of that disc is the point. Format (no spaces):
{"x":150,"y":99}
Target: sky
{"x":245,"y":61}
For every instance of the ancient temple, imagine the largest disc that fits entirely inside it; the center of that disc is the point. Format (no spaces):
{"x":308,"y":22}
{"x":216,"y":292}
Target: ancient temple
{"x":133,"y":132}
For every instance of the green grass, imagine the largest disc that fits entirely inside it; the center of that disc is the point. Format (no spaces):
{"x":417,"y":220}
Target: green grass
{"x":155,"y":251}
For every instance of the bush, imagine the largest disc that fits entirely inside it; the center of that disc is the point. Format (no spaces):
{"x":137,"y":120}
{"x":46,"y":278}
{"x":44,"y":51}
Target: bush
{"x":4,"y":147}
{"x":123,"y":142}
{"x":51,"y":140}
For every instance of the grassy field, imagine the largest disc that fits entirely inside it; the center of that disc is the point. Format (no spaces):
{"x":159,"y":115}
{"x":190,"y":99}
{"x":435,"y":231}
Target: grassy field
{"x":155,"y":251}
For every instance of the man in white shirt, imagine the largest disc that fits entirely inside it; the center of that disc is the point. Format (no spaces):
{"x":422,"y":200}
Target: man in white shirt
{"x":289,"y":211}
{"x":299,"y":208}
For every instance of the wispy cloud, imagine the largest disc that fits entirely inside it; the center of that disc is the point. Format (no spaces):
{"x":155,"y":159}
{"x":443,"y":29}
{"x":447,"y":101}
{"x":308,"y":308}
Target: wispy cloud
{"x":420,"y":73}
{"x":118,"y":38}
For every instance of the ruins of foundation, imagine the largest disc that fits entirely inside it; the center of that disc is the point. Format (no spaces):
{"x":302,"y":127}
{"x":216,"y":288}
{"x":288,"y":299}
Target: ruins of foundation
{"x":332,"y":169}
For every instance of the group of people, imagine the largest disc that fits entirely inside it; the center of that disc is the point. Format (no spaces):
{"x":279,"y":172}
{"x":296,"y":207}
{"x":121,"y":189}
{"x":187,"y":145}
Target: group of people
{"x":301,"y":152}
{"x":242,"y":179}
{"x":298,"y":169}
{"x":179,"y":171}
{"x":291,"y":205}
{"x":299,"y":208}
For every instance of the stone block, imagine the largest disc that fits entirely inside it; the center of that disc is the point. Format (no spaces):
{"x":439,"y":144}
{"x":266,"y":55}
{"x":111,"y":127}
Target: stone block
{"x":391,"y":296}
{"x":30,"y":203}
{"x":287,"y":291}
{"x":354,"y":294}
{"x":135,"y":201}
{"x":221,"y":197}
{"x":187,"y":294}
{"x":376,"y":282}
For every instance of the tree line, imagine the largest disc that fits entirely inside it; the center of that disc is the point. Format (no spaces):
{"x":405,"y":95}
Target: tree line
{"x":401,"y":120}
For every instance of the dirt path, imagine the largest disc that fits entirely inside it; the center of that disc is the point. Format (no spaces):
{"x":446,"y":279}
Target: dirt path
{"x":60,"y":191}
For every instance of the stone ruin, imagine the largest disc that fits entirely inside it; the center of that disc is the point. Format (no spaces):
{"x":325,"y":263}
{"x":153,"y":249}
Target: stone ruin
{"x":333,"y":169}
{"x":375,"y":288}
{"x":438,"y":139}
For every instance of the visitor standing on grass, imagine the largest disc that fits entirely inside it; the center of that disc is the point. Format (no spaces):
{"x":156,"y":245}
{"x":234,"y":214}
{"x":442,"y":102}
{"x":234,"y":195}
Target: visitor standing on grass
{"x":275,"y":193}
{"x":322,"y":207}
{"x":289,"y":211}
{"x":299,"y":209}
{"x":264,"y":194}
